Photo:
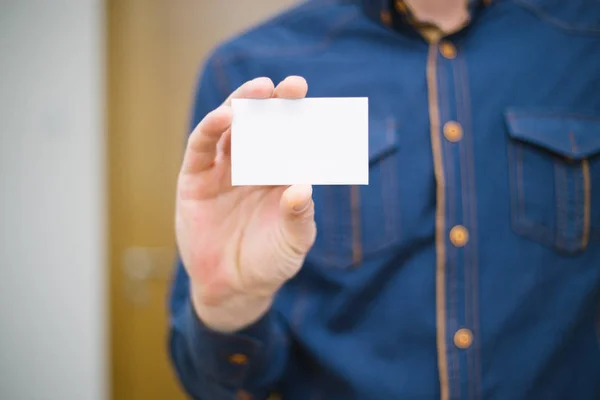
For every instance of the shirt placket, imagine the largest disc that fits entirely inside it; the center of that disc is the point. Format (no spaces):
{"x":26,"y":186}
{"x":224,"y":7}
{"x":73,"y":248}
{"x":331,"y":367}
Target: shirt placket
{"x":456,"y":297}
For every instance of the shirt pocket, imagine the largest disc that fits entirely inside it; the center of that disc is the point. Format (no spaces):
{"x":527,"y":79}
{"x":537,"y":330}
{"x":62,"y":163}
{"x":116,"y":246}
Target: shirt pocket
{"x":554,"y":169}
{"x":575,"y":16}
{"x":355,"y":223}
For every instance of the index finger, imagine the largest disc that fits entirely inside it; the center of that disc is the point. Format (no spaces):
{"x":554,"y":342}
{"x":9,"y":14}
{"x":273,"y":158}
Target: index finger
{"x":258,"y":88}
{"x":202,"y":142}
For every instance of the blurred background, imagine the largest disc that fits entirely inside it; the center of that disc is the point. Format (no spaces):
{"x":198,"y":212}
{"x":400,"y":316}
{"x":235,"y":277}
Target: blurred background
{"x":95,"y":100}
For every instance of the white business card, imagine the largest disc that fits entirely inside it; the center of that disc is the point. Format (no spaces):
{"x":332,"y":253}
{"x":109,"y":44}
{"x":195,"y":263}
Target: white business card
{"x":318,"y":141}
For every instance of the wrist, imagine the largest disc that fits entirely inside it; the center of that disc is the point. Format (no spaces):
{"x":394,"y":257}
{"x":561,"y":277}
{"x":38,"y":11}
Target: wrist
{"x":233,"y":314}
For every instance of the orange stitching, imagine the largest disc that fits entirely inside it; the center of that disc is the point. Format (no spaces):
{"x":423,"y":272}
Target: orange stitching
{"x":390,"y":167}
{"x":520,"y":223}
{"x":511,"y":180}
{"x":558,"y":201}
{"x":394,"y":184}
{"x":561,"y":186}
{"x":556,"y":115}
{"x":452,"y":280}
{"x":521,"y":204}
{"x":440,"y":240}
{"x":587,"y":192}
{"x":575,"y":209}
{"x":544,"y":15}
{"x":457,"y":387}
{"x":573,"y":143}
{"x":516,"y":131}
{"x":473,"y":224}
{"x":386,"y":205}
{"x":460,"y":102}
{"x":328,"y":227}
{"x":598,"y":324}
{"x":356,"y":225}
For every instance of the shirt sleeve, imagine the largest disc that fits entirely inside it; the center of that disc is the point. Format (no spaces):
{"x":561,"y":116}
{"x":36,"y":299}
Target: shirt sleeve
{"x":212,"y":365}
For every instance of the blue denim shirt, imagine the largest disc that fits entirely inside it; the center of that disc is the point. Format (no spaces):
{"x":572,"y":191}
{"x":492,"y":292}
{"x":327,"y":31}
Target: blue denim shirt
{"x":469,"y":267}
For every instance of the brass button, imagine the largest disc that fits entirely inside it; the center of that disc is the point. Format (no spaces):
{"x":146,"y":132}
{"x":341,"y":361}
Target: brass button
{"x":400,"y":6}
{"x":463,"y":338}
{"x":243,"y":395}
{"x":453,"y":131}
{"x":448,"y":50}
{"x":459,"y":236}
{"x":238,"y":359}
{"x":386,"y":18}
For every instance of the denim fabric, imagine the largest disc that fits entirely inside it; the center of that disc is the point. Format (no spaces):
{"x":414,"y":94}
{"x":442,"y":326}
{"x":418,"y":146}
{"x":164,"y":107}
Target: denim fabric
{"x":469,"y":267}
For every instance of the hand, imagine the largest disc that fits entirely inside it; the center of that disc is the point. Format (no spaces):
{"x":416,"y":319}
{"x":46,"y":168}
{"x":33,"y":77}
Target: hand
{"x":238,"y":244}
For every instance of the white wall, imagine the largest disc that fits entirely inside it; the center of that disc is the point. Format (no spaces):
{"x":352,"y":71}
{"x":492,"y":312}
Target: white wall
{"x":52,"y":323}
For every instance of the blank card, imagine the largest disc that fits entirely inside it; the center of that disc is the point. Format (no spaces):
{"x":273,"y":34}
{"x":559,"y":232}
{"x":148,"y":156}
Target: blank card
{"x":318,"y":141}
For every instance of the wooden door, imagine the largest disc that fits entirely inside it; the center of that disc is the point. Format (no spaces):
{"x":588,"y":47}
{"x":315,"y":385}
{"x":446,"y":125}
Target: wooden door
{"x":154,"y":50}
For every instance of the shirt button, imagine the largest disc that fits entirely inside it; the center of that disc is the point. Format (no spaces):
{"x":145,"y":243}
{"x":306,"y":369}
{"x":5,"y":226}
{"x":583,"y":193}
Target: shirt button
{"x":243,"y":395}
{"x":400,"y":6}
{"x":453,"y":131}
{"x":238,"y":359}
{"x":459,"y":236}
{"x":463,"y":338}
{"x":448,"y":50}
{"x":386,"y":18}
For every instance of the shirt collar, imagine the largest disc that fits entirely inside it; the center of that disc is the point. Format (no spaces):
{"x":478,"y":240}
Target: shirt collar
{"x":376,"y":9}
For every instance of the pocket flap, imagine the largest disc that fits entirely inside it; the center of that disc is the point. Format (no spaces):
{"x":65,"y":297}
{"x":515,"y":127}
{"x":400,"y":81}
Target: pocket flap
{"x":382,"y":140}
{"x":575,"y":136}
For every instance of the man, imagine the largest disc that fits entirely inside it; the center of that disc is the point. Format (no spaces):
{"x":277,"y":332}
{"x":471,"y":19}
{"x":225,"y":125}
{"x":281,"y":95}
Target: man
{"x":468,"y":268}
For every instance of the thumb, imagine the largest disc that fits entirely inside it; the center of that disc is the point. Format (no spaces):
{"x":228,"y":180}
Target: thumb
{"x":298,"y":217}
